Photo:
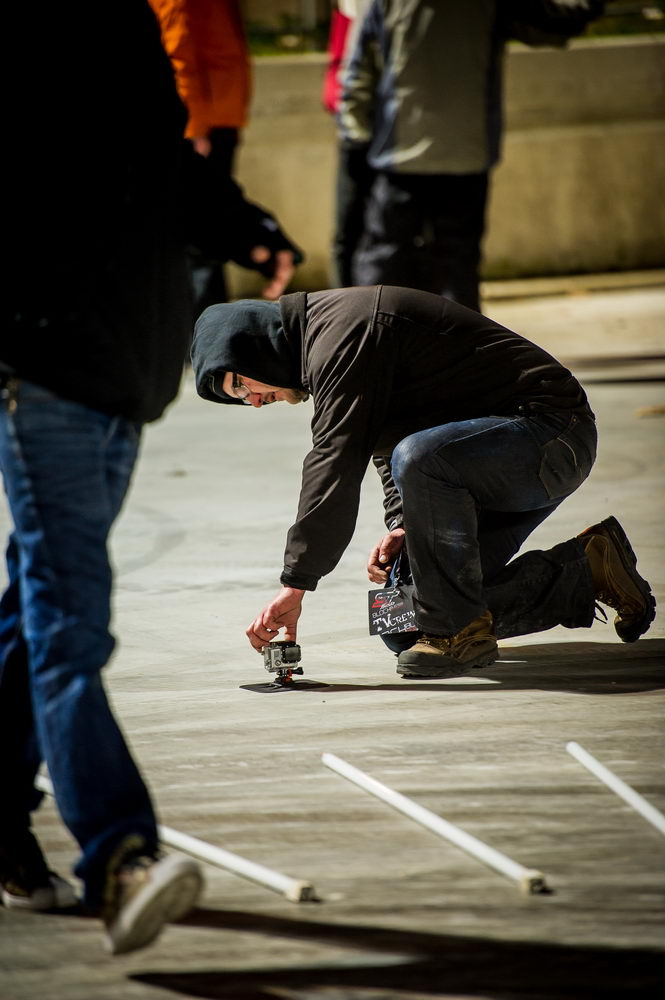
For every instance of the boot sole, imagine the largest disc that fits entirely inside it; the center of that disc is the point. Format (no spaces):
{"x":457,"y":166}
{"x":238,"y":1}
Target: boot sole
{"x":629,"y":561}
{"x":408,"y":671}
{"x":173,"y":889}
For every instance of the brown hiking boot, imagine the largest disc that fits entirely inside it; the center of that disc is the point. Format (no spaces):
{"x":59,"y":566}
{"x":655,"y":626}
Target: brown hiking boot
{"x":439,"y":656}
{"x":616,"y":580}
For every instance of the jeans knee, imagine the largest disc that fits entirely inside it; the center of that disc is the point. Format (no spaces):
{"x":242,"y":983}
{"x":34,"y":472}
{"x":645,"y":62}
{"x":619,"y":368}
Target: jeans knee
{"x":73,"y":649}
{"x":422,"y":457}
{"x":407,"y":458}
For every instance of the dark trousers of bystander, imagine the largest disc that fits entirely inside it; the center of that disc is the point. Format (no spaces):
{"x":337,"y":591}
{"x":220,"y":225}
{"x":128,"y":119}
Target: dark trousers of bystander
{"x":207,"y":276}
{"x":423,"y":231}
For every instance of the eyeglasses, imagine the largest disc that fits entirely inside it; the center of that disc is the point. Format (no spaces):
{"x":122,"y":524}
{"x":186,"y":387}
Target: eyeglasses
{"x":240,"y":390}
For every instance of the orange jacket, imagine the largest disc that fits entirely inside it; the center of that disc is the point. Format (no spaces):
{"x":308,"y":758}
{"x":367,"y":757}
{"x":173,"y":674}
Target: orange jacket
{"x":205,"y":40}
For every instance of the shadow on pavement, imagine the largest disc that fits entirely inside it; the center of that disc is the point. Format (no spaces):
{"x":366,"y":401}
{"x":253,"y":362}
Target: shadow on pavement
{"x":576,"y":667}
{"x":429,"y":965}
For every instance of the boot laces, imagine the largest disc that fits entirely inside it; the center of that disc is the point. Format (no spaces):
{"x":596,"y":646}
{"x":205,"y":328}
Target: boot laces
{"x":599,"y":614}
{"x":439,"y":642}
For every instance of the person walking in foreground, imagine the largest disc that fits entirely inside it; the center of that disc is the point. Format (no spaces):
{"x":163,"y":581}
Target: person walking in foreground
{"x":106,"y":196}
{"x":478,"y":436}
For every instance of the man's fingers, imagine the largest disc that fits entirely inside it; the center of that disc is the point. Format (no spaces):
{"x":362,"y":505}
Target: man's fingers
{"x":270,"y":618}
{"x":378,"y":563}
{"x":272,"y":291}
{"x":202,"y":145}
{"x":373,"y":558}
{"x":385,"y":549}
{"x":254,"y":640}
{"x":283,"y":272}
{"x":281,"y":613}
{"x":284,"y":265}
{"x":258,"y":634}
{"x":389,"y":546}
{"x":377,"y":576}
{"x":260,"y":254}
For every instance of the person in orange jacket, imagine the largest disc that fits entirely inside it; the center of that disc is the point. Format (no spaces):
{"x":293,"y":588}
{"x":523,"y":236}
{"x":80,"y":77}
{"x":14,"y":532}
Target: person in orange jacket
{"x":205,"y":41}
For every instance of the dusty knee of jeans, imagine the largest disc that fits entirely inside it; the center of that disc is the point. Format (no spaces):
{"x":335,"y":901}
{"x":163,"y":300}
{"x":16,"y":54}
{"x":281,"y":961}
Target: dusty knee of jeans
{"x":417,"y":456}
{"x":406,"y":458}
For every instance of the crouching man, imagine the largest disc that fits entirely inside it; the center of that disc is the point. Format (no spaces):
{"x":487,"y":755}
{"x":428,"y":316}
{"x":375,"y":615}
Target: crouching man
{"x":478,"y":436}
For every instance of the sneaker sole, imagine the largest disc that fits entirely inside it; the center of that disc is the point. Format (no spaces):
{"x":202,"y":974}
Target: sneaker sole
{"x":59,"y":895}
{"x":173,"y":889}
{"x":629,"y":561}
{"x":407,"y":671}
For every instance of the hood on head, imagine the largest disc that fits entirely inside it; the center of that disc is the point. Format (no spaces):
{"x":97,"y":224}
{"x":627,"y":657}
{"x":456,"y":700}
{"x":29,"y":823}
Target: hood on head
{"x":245,"y":337}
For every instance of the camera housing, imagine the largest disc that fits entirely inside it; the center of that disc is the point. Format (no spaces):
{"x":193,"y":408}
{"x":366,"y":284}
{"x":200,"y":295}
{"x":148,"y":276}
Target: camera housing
{"x":281,"y":656}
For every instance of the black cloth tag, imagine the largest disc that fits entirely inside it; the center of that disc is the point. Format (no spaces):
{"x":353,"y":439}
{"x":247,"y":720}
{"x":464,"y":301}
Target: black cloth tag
{"x":391,"y":610}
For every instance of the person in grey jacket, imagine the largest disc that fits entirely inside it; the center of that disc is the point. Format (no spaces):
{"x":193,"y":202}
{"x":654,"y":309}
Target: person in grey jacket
{"x":478,"y":435}
{"x":420,"y":125}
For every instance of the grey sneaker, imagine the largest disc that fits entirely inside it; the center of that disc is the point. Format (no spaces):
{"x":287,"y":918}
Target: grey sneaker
{"x":438,"y":656}
{"x":26,"y":882}
{"x":143,"y":894}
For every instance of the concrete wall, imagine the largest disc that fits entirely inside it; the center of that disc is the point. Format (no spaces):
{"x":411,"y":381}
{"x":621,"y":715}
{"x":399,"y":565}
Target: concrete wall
{"x":580,"y":187}
{"x":273,"y":12}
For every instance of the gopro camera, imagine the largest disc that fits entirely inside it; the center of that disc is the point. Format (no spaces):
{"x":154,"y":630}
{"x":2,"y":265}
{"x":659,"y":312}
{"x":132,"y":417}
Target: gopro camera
{"x":281,"y":657}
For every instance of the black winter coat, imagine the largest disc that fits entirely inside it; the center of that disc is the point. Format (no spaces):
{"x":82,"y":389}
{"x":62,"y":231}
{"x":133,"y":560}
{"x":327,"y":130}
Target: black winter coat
{"x":104,"y":195}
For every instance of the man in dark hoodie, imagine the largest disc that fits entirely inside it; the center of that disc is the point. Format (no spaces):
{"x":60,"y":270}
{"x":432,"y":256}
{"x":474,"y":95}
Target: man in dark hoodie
{"x":478,"y":436}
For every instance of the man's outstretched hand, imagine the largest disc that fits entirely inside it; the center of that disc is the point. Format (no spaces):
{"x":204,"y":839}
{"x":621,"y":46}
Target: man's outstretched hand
{"x":282,"y":271}
{"x":282,"y":612}
{"x":384,"y":554}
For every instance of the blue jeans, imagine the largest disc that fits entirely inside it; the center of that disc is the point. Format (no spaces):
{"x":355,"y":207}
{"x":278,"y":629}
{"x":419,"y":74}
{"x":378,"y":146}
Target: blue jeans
{"x":472,"y":491}
{"x":66,"y":471}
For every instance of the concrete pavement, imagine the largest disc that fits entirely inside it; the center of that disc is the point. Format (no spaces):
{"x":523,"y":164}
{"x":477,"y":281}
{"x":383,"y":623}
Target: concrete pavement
{"x":403,"y":915}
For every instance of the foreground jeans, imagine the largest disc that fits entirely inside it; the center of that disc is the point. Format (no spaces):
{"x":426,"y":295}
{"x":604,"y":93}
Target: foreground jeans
{"x":66,"y":470}
{"x":472,"y":492}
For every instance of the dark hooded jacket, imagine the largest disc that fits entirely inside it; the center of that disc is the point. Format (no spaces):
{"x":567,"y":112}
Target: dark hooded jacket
{"x":245,"y":337}
{"x":381,"y":363}
{"x":106,"y":196}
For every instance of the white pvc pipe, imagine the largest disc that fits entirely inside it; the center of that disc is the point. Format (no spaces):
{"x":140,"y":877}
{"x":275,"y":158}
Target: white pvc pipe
{"x":619,"y":787}
{"x":294,"y":889}
{"x":529,"y":880}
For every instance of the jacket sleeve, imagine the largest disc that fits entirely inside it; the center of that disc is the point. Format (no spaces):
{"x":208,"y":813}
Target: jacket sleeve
{"x":220,"y":222}
{"x":360,"y":76}
{"x":205,"y":41}
{"x":337,"y":38}
{"x":355,"y":178}
{"x":350,"y":403}
{"x":392,"y":501}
